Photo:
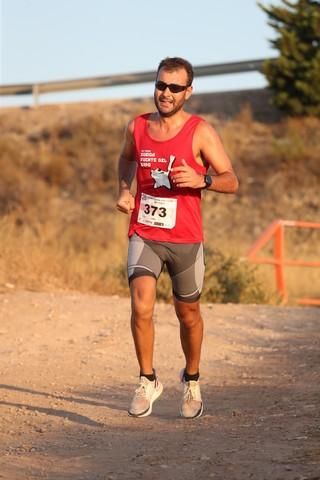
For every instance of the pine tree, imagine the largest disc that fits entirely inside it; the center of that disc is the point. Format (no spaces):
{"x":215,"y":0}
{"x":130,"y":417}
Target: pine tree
{"x":294,"y":77}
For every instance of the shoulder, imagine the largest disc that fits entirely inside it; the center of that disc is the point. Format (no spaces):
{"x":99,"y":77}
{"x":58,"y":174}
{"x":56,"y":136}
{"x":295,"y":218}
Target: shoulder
{"x":137,"y":121}
{"x":205,"y":131}
{"x":129,"y":130}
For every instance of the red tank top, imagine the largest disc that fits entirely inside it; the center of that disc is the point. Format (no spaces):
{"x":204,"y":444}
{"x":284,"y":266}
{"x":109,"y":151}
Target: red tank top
{"x":164,"y":212}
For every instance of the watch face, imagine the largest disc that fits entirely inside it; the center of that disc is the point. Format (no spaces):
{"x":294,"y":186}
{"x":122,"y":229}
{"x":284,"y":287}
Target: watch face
{"x":208,"y":180}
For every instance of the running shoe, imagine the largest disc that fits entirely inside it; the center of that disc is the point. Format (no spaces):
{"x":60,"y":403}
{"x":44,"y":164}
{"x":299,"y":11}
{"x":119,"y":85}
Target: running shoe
{"x":192,"y":405}
{"x":147,"y":392}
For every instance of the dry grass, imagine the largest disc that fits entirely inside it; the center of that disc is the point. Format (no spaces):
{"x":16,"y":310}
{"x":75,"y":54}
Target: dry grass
{"x":59,"y":228}
{"x":41,"y":259}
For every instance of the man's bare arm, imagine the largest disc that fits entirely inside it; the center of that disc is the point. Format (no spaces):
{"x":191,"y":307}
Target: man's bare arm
{"x":210,"y":148}
{"x":126,"y":172}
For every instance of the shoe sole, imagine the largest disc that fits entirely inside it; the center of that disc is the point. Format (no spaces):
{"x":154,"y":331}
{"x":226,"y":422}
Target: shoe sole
{"x":198,"y":414}
{"x":155,"y":396}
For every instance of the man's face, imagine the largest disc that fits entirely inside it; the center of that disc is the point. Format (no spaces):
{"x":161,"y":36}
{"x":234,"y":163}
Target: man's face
{"x":168,"y":103}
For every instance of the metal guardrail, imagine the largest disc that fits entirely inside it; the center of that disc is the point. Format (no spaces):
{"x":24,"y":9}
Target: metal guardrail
{"x":36,"y":89}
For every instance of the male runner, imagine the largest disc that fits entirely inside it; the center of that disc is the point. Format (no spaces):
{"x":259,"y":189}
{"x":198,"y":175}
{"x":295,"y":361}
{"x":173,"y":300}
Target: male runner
{"x":169,"y":152}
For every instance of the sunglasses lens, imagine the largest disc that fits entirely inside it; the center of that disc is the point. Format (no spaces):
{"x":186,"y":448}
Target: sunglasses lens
{"x":161,"y":86}
{"x":176,"y":88}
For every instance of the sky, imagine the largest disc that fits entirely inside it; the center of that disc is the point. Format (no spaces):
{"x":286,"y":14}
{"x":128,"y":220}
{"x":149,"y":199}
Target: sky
{"x":44,"y":40}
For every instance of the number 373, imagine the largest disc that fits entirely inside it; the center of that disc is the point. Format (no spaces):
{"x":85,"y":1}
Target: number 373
{"x":152,"y":209}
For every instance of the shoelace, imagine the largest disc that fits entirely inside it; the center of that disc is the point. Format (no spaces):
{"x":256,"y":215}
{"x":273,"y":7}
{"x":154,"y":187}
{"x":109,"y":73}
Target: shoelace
{"x":191,"y":391}
{"x":141,"y":391}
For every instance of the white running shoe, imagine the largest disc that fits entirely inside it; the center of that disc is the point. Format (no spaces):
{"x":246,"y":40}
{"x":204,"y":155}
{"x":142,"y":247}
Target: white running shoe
{"x":192,"y":405}
{"x":147,"y":392}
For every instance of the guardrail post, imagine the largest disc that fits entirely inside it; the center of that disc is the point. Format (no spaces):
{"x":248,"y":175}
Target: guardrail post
{"x":35,"y":94}
{"x":279,"y":262}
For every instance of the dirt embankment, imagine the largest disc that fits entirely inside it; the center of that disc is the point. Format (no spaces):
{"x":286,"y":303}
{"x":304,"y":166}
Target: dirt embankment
{"x":57,"y":159}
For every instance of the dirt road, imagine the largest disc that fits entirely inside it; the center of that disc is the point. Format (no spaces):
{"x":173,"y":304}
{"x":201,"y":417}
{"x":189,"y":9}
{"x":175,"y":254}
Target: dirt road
{"x":68,"y":372}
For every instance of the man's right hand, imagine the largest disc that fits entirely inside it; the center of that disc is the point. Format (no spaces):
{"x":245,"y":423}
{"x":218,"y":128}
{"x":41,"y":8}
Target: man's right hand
{"x":125,"y":203}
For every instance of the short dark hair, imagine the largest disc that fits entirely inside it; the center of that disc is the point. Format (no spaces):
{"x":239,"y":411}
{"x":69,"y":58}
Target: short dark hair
{"x":174,"y":63}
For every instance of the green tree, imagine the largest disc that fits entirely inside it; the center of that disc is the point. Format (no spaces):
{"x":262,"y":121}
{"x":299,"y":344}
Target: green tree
{"x":294,"y":76}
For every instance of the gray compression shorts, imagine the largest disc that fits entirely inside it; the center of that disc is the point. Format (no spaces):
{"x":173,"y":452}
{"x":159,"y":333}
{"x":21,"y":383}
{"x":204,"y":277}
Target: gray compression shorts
{"x":184,"y":262}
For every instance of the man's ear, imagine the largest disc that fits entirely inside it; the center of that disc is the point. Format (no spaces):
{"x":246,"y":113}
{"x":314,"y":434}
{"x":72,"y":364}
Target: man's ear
{"x":189,"y":92}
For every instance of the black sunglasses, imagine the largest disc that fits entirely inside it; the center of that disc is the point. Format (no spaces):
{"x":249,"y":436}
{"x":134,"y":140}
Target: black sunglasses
{"x":173,"y":87}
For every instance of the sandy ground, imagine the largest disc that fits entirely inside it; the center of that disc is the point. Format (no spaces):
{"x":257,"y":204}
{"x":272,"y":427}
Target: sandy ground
{"x":68,"y":372}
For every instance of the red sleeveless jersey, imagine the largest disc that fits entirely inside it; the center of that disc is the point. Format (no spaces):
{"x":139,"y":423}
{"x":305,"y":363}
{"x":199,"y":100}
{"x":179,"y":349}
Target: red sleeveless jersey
{"x":164,"y":212}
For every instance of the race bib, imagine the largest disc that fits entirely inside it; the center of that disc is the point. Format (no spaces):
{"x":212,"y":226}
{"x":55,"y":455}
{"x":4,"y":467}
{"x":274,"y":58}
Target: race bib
{"x":157,"y":211}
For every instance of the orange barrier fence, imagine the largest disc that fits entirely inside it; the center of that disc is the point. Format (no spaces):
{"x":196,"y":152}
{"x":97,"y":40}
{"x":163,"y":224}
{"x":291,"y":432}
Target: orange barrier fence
{"x":276,"y":230}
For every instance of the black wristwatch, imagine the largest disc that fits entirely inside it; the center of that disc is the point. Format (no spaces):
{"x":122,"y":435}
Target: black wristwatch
{"x":208,"y":181}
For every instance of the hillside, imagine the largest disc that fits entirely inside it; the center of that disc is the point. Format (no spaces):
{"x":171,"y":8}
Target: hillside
{"x":59,"y":226}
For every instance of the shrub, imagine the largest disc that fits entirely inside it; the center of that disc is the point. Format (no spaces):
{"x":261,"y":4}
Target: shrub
{"x":228,"y":279}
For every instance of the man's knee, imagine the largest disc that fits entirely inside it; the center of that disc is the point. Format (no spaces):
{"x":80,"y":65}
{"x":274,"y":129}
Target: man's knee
{"x":141,"y":312}
{"x":142,"y":298}
{"x":188,"y":314}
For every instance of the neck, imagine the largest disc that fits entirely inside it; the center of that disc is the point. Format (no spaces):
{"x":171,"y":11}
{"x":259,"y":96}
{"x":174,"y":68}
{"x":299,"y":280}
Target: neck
{"x":175,"y":121}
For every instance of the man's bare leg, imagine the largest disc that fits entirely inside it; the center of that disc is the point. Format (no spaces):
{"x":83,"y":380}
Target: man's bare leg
{"x":191,"y":333}
{"x":143,"y":296}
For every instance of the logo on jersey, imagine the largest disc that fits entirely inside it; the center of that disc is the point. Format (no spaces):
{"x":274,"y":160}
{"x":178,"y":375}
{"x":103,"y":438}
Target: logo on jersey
{"x":161,"y":177}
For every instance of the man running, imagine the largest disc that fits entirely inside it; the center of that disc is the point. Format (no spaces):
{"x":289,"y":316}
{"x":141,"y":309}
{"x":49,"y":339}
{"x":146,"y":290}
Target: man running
{"x":169,"y":152}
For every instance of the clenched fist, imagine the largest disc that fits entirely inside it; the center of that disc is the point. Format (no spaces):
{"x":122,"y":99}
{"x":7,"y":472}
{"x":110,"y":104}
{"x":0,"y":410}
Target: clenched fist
{"x":125,"y":203}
